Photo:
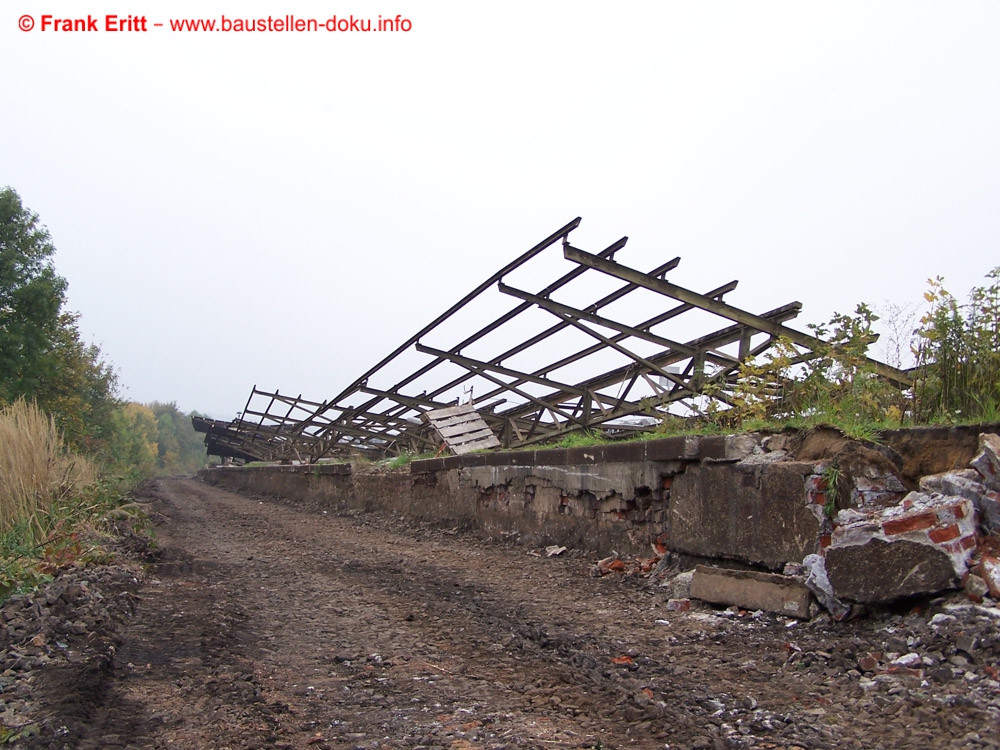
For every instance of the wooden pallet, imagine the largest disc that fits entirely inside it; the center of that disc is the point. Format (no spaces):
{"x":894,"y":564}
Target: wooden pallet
{"x":462,"y":429}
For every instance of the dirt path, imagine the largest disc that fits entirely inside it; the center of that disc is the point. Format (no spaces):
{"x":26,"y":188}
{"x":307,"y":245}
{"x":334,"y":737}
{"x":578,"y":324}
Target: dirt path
{"x":271,"y":625}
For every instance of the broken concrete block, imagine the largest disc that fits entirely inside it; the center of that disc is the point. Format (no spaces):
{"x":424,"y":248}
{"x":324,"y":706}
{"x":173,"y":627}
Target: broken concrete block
{"x":875,"y":488}
{"x":678,"y":605}
{"x":781,"y":443}
{"x":989,"y":507}
{"x":679,"y":587}
{"x":883,"y":571}
{"x":936,"y":482}
{"x":964,"y":483}
{"x":921,"y":546}
{"x":740,"y":446}
{"x":770,"y":592}
{"x":987,"y":461}
{"x":754,"y":513}
{"x":818,"y":582}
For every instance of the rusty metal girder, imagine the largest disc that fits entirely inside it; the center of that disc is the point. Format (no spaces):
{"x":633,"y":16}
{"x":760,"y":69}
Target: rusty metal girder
{"x":525,"y":404}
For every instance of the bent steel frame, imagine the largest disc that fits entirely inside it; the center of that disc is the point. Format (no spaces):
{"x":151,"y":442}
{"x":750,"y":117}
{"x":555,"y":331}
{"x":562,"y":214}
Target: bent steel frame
{"x":524,"y":366}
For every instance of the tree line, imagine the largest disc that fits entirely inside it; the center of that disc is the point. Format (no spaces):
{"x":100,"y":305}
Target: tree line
{"x":44,"y":360}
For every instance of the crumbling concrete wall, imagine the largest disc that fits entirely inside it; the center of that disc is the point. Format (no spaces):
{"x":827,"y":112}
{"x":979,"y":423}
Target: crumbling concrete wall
{"x":746,"y":499}
{"x":755,"y":512}
{"x":618,"y":496}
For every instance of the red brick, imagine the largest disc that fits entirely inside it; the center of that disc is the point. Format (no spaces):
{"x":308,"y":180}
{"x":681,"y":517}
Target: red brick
{"x":818,"y":498}
{"x":660,"y":543}
{"x":960,"y":545}
{"x":867,"y":663}
{"x":916,"y":522}
{"x":825,"y":541}
{"x":945,"y":533}
{"x":968,"y":542}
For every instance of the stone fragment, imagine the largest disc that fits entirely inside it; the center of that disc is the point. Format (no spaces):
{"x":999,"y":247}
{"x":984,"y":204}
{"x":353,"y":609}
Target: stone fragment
{"x":740,"y":446}
{"x":679,"y":586}
{"x":849,"y":515}
{"x":776,"y":443}
{"x":931,"y":483}
{"x":770,"y":592}
{"x":883,"y":571}
{"x":989,"y":571}
{"x":976,"y":587}
{"x":987,"y":461}
{"x":989,"y":506}
{"x":966,"y":644}
{"x":818,"y":582}
{"x":910,"y":661}
{"x":678,"y":605}
{"x":954,"y":483}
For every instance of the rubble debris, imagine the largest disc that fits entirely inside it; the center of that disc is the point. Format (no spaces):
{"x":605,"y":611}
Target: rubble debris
{"x":629,"y":566}
{"x":818,"y":582}
{"x":987,"y":461}
{"x":679,"y":586}
{"x":926,"y":543}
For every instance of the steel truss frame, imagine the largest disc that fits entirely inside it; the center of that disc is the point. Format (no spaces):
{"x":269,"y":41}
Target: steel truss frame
{"x":528,"y":404}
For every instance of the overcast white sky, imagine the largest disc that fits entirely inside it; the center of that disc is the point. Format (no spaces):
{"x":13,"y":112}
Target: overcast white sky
{"x":283,"y":209}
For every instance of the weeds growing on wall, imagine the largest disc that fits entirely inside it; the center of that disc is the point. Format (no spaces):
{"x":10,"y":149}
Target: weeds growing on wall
{"x":958,"y":355}
{"x":957,"y":377}
{"x":833,"y":384}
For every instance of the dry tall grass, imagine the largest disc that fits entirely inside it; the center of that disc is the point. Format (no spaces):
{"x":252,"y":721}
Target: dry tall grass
{"x":35,"y":469}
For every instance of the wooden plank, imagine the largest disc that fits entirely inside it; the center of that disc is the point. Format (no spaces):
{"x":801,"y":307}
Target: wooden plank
{"x":466,"y":429}
{"x":461,"y":450}
{"x":470,"y":436}
{"x":456,"y":420}
{"x":462,"y":428}
{"x":450,"y":411}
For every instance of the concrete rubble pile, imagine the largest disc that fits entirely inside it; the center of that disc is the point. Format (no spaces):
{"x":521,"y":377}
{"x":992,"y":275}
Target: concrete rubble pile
{"x":886,"y":545}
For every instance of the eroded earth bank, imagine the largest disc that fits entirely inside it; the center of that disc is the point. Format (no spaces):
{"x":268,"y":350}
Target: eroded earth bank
{"x":270,"y":624}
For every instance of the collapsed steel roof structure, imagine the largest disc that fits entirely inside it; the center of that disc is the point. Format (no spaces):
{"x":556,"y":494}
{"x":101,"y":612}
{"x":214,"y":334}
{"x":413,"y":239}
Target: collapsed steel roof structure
{"x":541,"y":367}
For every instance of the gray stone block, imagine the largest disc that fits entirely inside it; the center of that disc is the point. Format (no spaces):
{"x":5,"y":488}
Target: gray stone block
{"x":770,"y":592}
{"x":880,"y":571}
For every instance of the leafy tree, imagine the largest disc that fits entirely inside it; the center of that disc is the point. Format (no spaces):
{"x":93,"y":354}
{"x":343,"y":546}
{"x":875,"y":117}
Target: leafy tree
{"x":31,"y":297}
{"x":181,"y":450}
{"x":133,"y":441}
{"x":42,"y":357}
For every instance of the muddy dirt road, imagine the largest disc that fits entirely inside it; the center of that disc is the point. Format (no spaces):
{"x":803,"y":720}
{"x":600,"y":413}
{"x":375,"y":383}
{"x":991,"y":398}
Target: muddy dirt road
{"x":267,"y":624}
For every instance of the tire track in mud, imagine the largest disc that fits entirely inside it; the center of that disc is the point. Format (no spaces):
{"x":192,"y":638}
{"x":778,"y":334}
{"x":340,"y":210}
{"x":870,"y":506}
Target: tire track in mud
{"x":252,"y":600}
{"x":269,"y":624}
